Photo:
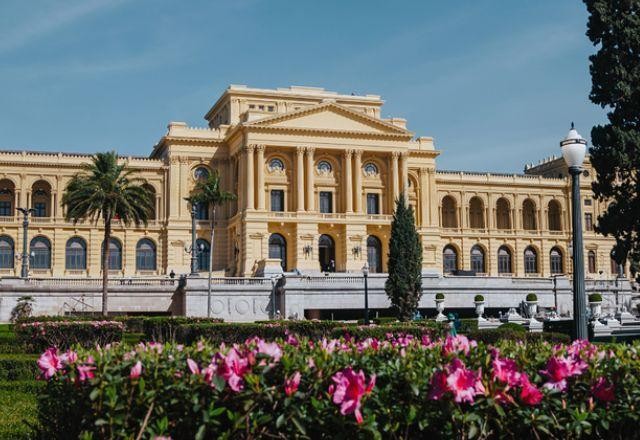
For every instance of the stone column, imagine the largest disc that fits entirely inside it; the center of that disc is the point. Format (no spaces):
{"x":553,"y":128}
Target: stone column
{"x":300,"y":178}
{"x":310,"y":180}
{"x":404,"y":176}
{"x":260,"y":183}
{"x":357,"y":170}
{"x":250,"y":186}
{"x":423,"y":200}
{"x":394,"y":178}
{"x":348,"y":181}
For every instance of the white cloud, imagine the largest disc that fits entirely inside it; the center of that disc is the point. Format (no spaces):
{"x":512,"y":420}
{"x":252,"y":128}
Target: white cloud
{"x":50,"y":20}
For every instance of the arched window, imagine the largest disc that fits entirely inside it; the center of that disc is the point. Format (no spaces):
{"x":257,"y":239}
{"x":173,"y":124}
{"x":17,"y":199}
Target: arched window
{"x":591,"y":262}
{"x":503,"y":214}
{"x":41,"y":199}
{"x":530,"y":260}
{"x":370,"y":169}
{"x":115,"y":254}
{"x":76,"y":254}
{"x":278,"y":249}
{"x":7,"y":252}
{"x":554,"y":216}
{"x":477,"y":259}
{"x":7,"y":198}
{"x":449,"y":259}
{"x":324,"y":167}
{"x":40,"y":252}
{"x":276,"y":164}
{"x":203,"y":252}
{"x":504,"y":260}
{"x":145,"y":255}
{"x":374,"y":254}
{"x":476,"y":213}
{"x":555,"y":258}
{"x":449,"y":214}
{"x":327,"y":253}
{"x":529,"y":215}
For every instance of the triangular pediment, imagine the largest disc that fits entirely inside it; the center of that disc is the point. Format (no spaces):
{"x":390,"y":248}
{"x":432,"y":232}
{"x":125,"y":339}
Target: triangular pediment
{"x":331,"y":117}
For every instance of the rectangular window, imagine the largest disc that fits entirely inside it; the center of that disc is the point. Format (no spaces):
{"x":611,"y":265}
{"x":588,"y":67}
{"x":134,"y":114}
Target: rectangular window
{"x":373,"y":204}
{"x":277,"y":200}
{"x":587,"y":202}
{"x":588,"y":222}
{"x":40,"y":209}
{"x":202,"y":211}
{"x":5,"y":209}
{"x":271,"y":108}
{"x":326,"y":202}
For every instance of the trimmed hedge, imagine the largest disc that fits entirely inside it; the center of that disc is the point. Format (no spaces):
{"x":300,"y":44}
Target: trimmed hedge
{"x":63,"y":334}
{"x":163,"y":328}
{"x":492,"y":336}
{"x":235,"y":333}
{"x":18,"y":367}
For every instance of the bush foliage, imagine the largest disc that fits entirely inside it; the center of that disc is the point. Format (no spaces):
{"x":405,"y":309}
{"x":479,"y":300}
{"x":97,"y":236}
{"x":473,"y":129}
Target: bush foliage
{"x":64,"y":334}
{"x":398,"y":387}
{"x":164,"y":328}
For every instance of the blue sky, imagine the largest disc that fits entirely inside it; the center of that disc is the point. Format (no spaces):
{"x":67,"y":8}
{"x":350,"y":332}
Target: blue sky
{"x":496,"y":83}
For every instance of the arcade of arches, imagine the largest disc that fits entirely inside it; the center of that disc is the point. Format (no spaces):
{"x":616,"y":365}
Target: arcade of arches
{"x":316,"y":174}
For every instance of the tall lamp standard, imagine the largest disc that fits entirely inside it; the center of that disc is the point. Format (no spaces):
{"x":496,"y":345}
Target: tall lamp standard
{"x":574,"y":149}
{"x":25,"y":228}
{"x":193,"y":250}
{"x":365,"y":273}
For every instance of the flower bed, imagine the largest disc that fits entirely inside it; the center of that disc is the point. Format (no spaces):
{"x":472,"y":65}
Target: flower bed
{"x":401,"y":386}
{"x":63,"y":334}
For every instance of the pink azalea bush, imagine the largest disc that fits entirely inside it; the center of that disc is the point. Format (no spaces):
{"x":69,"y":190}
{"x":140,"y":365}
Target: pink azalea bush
{"x":347,"y":388}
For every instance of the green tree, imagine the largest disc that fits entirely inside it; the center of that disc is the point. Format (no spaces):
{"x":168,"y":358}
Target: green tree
{"x":404,"y":284}
{"x":614,"y":27}
{"x":107,"y":190}
{"x":209,"y":192}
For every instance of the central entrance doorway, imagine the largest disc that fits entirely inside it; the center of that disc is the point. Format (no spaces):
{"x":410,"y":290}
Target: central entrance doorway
{"x":327,"y":253}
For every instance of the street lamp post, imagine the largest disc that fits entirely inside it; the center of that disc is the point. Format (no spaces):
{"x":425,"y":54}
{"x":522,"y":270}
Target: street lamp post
{"x":365,"y":273}
{"x":25,"y":231}
{"x":574,"y":149}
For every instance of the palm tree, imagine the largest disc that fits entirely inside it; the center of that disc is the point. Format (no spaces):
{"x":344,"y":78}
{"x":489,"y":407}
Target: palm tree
{"x":209,"y":193}
{"x":107,"y":190}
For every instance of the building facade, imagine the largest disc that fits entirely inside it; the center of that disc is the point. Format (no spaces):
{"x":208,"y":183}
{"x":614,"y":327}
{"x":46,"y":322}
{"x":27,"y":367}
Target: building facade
{"x":316,"y":174}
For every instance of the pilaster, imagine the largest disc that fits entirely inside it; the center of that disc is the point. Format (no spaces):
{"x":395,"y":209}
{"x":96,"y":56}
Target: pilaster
{"x":357,"y":172}
{"x":348,"y":182}
{"x":300,"y":179}
{"x":310,"y":179}
{"x":260,"y":179}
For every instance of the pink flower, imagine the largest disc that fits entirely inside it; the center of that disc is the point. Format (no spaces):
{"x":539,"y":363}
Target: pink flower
{"x":49,"y":363}
{"x":530,"y":394}
{"x":603,"y":390}
{"x":193,"y":366}
{"x":85,"y":372}
{"x":439,"y":385}
{"x":506,"y":370}
{"x":69,"y":357}
{"x":291,"y":384}
{"x":232,"y":368}
{"x":349,"y":389}
{"x":464,"y":384}
{"x":559,"y":368}
{"x":272,"y":349}
{"x":136,"y":370}
{"x":292,"y":340}
{"x":456,"y":344}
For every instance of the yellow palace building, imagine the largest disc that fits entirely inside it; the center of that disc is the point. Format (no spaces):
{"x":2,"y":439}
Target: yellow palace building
{"x":316,"y":174}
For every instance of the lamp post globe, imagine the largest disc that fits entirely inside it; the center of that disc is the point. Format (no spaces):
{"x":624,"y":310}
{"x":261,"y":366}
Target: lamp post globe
{"x":365,"y":274}
{"x":574,"y":150}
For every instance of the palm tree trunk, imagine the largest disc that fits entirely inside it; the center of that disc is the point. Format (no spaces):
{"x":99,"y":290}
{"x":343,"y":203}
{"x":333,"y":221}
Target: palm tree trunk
{"x":213,"y":219}
{"x":105,"y":266}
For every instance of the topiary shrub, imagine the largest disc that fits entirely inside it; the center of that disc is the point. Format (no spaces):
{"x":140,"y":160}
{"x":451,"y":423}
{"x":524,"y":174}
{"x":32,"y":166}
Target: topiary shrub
{"x":478,"y":298}
{"x":595,"y":297}
{"x":532,"y":297}
{"x":439,"y":296}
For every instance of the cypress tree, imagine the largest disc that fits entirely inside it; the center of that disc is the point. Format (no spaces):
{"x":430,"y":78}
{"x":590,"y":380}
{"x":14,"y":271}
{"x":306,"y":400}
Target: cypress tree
{"x":614,"y":27}
{"x":404,"y":285}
